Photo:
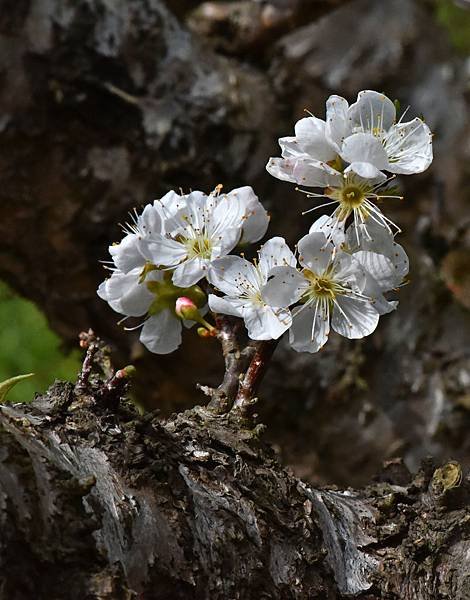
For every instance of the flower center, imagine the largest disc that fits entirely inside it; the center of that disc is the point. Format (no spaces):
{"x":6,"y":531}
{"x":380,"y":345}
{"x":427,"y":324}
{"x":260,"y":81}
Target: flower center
{"x":352,"y":196}
{"x":199,"y":246}
{"x":322,"y":286}
{"x":255,"y":297}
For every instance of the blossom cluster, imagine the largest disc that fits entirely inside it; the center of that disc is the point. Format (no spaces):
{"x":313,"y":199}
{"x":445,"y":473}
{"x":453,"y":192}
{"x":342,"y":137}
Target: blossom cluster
{"x":175,"y":263}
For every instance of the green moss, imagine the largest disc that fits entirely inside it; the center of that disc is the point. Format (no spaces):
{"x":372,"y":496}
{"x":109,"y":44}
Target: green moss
{"x":28,"y":345}
{"x":457,"y":21}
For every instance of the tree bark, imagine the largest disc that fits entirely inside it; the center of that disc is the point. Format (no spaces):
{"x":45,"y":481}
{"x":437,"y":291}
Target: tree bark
{"x":100,"y":502}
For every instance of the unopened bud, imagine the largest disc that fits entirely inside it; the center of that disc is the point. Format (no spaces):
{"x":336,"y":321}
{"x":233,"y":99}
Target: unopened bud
{"x":207,"y":331}
{"x":126,"y":372}
{"x":186,"y":309}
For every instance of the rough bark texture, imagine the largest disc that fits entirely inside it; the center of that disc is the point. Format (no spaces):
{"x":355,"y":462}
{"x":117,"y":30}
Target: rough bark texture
{"x":99,"y":502}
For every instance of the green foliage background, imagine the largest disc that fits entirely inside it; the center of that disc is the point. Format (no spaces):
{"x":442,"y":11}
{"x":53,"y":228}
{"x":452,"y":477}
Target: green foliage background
{"x":28,"y":345}
{"x":457,"y":22}
{"x":26,"y":342}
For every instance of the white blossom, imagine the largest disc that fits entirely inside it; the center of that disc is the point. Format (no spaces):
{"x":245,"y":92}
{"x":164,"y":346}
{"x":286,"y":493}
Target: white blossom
{"x":379,"y":141}
{"x":244,"y":284}
{"x":347,"y":264}
{"x":347,"y":154}
{"x":203,"y":229}
{"x":364,"y":135}
{"x":148,"y":294}
{"x":378,"y":241}
{"x":127,"y":255}
{"x":356,"y":197}
{"x":384,"y":262}
{"x":331,"y":287}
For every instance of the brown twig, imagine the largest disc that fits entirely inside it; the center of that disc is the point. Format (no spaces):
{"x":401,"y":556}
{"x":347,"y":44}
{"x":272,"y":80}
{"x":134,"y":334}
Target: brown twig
{"x":231,"y":337}
{"x":83,"y":378}
{"x":246,"y":362}
{"x":249,"y":384}
{"x":112,"y":390}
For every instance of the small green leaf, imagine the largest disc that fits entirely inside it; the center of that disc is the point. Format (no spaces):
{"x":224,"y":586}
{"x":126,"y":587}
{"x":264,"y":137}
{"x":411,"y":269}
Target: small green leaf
{"x":6,"y":385}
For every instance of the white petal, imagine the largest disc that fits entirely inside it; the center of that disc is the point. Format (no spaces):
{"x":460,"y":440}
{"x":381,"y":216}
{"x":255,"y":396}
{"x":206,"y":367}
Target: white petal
{"x":281,"y":168}
{"x":275,"y":253}
{"x":126,"y":255}
{"x":364,"y":148}
{"x":366,"y":170}
{"x":150,"y":221}
{"x":227,"y":213}
{"x":168,"y":206}
{"x":290,"y":147}
{"x":224,"y":242}
{"x":315,"y":252}
{"x":125,"y":294}
{"x":161,"y":333}
{"x":379,"y":266}
{"x":101,"y":291}
{"x":310,"y":328}
{"x":233,"y":275}
{"x":311,"y":136}
{"x":255,"y":225}
{"x":226,"y":305}
{"x":161,"y":250}
{"x":190,"y":272}
{"x":314,"y":173}
{"x":372,"y":111}
{"x":337,"y":122}
{"x":266,"y":323}
{"x":409,"y":147}
{"x":354,"y":318}
{"x":348,"y":271}
{"x":255,"y":217}
{"x":371,"y":176}
{"x":375,"y":238}
{"x":285,"y":287}
{"x":194,"y":212}
{"x":372,"y":290}
{"x":303,"y":170}
{"x":331,"y":229}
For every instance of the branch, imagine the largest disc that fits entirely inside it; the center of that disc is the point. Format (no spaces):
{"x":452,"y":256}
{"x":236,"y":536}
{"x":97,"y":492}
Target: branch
{"x":262,"y":352}
{"x":231,"y":334}
{"x":246,"y":362}
{"x":109,"y":504}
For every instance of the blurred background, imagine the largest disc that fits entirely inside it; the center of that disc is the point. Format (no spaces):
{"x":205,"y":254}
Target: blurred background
{"x":107,"y":105}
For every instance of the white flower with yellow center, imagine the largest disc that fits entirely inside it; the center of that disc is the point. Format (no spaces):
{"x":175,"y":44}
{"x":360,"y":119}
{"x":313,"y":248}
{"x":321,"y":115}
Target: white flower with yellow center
{"x":377,"y":142}
{"x":384,"y":262}
{"x":126,"y":254}
{"x":149,"y":293}
{"x":356,"y":197}
{"x":244,"y":284}
{"x":203,"y":229}
{"x":365,"y":135}
{"x":330,"y":288}
{"x":346,"y":154}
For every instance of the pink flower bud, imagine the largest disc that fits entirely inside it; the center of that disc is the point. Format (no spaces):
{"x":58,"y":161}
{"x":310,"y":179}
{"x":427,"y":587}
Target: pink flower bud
{"x":186,"y":309}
